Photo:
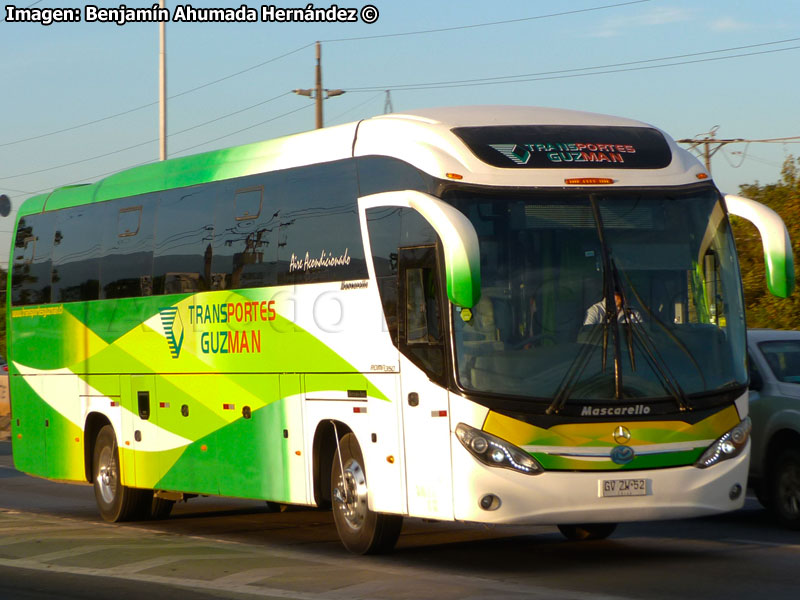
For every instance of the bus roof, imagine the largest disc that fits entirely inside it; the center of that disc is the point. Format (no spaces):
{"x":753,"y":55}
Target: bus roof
{"x":438,"y":141}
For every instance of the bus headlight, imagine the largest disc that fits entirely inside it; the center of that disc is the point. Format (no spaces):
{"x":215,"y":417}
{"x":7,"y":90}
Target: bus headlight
{"x":496,"y":452}
{"x":728,"y":446}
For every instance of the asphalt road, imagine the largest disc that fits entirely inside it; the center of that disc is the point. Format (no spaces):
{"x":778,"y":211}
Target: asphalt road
{"x":52,"y":544}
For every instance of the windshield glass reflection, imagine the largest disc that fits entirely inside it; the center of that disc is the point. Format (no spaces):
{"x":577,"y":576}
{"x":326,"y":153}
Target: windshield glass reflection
{"x":645,"y":305}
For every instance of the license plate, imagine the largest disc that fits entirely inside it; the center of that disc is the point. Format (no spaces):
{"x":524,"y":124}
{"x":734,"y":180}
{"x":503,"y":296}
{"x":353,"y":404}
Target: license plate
{"x":609,"y":488}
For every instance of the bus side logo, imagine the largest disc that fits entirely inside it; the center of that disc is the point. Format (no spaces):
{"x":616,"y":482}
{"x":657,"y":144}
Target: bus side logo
{"x":171,"y":320}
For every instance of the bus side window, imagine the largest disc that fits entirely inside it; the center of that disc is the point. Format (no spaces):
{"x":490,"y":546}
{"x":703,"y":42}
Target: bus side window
{"x":421,"y":307}
{"x":421,"y":337}
{"x":127,"y":269}
{"x":31,"y":260}
{"x":244,"y":240}
{"x":76,"y":252}
{"x":318,"y":233}
{"x":184,"y":241}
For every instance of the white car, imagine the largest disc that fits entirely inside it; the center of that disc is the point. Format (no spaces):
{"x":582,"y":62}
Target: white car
{"x":775,"y":411}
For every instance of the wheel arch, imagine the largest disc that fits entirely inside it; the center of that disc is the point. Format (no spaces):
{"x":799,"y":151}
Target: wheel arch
{"x":94,"y":423}
{"x":324,"y":449}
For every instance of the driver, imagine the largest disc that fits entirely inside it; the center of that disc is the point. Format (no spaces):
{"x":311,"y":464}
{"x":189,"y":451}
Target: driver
{"x":596,"y":313}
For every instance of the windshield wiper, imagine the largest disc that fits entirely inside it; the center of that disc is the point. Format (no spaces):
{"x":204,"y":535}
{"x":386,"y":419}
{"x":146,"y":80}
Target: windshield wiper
{"x":635,"y":334}
{"x":610,"y":321}
{"x":659,"y":366}
{"x":609,"y":281}
{"x":573,"y":374}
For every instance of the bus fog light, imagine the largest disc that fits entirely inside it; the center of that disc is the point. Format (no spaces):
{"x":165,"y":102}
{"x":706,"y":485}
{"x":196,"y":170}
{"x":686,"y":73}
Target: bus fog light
{"x":736,"y":491}
{"x":490,"y":502}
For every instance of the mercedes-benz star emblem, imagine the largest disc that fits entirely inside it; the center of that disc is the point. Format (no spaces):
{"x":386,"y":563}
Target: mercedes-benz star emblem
{"x":622,"y":435}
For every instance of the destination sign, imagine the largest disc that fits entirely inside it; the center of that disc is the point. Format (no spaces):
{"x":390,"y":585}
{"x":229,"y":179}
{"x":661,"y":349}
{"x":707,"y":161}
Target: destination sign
{"x":567,"y":146}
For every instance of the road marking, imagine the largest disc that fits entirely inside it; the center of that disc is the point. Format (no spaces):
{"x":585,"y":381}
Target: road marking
{"x":152,"y":563}
{"x":193,"y":584}
{"x":250,"y":576}
{"x":762,"y":543}
{"x":380,"y":578}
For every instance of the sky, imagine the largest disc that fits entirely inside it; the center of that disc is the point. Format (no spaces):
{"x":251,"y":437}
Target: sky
{"x":79,"y":101}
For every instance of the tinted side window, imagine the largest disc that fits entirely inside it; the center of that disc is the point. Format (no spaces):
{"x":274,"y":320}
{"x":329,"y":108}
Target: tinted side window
{"x":420,"y":323}
{"x":127,"y":268}
{"x":31,"y":260}
{"x":76,"y":252}
{"x":390,"y":229}
{"x":383,"y":174}
{"x":245,"y":242}
{"x":318,"y":233}
{"x":184,"y":240}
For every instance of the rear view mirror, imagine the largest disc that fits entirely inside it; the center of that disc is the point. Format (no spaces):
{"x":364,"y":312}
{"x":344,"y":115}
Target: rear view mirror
{"x":778,"y":257}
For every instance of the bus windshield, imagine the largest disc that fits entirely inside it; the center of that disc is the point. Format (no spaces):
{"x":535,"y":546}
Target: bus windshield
{"x":545,"y":326}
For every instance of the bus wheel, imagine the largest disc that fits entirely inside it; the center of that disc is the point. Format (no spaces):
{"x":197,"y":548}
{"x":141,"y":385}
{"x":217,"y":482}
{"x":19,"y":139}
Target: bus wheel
{"x":161,"y":508}
{"x":361,"y":530}
{"x":115,"y":501}
{"x":785,"y":488}
{"x":591,"y":531}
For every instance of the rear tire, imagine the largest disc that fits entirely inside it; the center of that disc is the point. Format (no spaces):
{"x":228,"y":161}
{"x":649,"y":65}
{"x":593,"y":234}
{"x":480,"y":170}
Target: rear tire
{"x":160,"y":508}
{"x":361,"y":530}
{"x":587,"y":532}
{"x":115,"y":501}
{"x":784,"y":488}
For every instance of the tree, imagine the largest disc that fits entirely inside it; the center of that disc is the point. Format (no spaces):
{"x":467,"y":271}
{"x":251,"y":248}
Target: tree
{"x":764,"y":309}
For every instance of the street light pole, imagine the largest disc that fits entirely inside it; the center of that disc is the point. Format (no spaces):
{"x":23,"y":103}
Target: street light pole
{"x":316,"y":93}
{"x":318,"y":74}
{"x":162,"y":86}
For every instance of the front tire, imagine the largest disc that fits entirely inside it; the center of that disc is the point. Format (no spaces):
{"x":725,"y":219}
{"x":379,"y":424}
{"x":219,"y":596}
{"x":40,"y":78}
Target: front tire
{"x":587,"y":532}
{"x":115,"y":501}
{"x":361,"y":530}
{"x":784,"y":487}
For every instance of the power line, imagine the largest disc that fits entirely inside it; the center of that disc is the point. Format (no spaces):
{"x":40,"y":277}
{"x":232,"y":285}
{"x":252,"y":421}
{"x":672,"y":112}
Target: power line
{"x":139,"y":145}
{"x":571,"y":73}
{"x":499,"y":79}
{"x":286,"y":114}
{"x":565,"y":73}
{"x":491,"y":24}
{"x":284,"y":55}
{"x":706,"y":145}
{"x":143,"y":106}
{"x":352,"y":108}
{"x":97,"y":176}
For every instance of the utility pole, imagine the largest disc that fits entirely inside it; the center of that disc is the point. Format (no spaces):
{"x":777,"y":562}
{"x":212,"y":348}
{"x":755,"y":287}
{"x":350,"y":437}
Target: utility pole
{"x":162,"y":86}
{"x":387,"y":103}
{"x":703,"y":145}
{"x":316,"y":92}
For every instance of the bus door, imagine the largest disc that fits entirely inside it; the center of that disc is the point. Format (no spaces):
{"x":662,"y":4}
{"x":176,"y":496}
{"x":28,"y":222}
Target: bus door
{"x":424,"y":395}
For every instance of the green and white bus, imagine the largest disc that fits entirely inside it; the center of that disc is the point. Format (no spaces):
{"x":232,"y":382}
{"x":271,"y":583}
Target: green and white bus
{"x":504,"y":315}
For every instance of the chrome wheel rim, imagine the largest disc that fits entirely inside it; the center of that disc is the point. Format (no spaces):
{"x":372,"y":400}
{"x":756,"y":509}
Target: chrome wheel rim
{"x":789,"y":491}
{"x":350,"y":495}
{"x":107,"y":474}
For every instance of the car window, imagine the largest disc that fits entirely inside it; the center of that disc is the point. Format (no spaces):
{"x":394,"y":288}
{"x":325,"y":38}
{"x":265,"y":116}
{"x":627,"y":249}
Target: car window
{"x":783,"y":358}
